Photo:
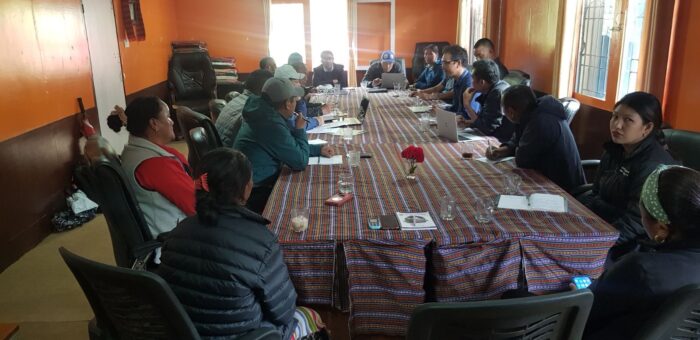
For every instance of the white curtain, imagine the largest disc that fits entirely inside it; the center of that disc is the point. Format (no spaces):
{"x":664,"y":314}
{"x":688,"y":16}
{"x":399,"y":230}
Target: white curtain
{"x":266,"y":12}
{"x":470,"y":24}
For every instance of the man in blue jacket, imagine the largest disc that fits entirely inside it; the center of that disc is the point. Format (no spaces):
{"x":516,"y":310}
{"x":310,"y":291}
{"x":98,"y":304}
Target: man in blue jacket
{"x":269,"y":143}
{"x":489,"y":119}
{"x":432,"y":74}
{"x":542,"y":139}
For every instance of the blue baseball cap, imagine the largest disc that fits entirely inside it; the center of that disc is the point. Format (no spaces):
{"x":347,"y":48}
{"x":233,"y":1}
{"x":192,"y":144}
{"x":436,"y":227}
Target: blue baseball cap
{"x":387,"y":56}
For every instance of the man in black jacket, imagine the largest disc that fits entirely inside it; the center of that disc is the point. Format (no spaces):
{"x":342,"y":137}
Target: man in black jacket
{"x":484,"y":49}
{"x":386,"y":64}
{"x":489,"y":120}
{"x":542,"y":139}
{"x":329,"y":72}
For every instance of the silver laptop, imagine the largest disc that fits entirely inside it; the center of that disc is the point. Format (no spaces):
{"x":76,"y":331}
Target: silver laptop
{"x":447,"y":127}
{"x":388,"y":80}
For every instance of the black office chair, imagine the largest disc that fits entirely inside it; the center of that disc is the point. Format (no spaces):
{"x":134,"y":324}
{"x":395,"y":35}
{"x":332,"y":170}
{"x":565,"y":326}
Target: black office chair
{"x":188,"y":120}
{"x":215,"y":107}
{"x":684,"y":146}
{"x":571,"y":106}
{"x":678,"y":317}
{"x":130,"y":304}
{"x":555,"y":316}
{"x":200,"y":144}
{"x":192,"y":80}
{"x":517,"y":77}
{"x":419,"y":61}
{"x":95,"y":147}
{"x":132,"y":241}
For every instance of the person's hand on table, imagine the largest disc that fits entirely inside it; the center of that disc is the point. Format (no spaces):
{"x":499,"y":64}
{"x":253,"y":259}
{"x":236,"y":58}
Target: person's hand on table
{"x":327,"y":151}
{"x":320,"y":120}
{"x":377,"y":82}
{"x":493,"y":153}
{"x":415,"y":93}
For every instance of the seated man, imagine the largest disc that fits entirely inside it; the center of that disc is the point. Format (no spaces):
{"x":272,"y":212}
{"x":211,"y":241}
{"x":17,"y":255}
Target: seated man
{"x":230,"y":119}
{"x":542,"y":139}
{"x":267,"y":63}
{"x":386,"y":64}
{"x":483,"y":49}
{"x":454,"y":59}
{"x":303,"y":105}
{"x":432,"y":74}
{"x":295,"y":77}
{"x":442,"y":91}
{"x":329,"y":72}
{"x":489,"y":120}
{"x":269,"y":143}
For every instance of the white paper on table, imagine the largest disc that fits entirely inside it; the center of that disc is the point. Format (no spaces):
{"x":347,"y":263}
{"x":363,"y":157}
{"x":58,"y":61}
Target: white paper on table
{"x":329,"y":117}
{"x":419,"y":109}
{"x":535,"y":202}
{"x":500,"y":160}
{"x":424,"y":221}
{"x":317,"y":142}
{"x":344,"y":122}
{"x":322,"y":129}
{"x":337,"y":159}
{"x":339,"y":132}
{"x":468,"y":137}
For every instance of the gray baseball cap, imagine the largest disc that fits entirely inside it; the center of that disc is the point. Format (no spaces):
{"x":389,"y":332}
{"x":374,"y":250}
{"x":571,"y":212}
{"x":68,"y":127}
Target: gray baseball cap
{"x":288,"y":71}
{"x":281,"y":89}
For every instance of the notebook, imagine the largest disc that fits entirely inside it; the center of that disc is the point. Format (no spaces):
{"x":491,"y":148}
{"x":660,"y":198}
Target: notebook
{"x":534,"y":202}
{"x":416,"y":221}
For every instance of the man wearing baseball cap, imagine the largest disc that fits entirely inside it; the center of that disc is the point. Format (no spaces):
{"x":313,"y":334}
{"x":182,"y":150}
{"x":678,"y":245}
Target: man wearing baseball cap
{"x":290,"y":72}
{"x":387,"y":64}
{"x":267,"y":141}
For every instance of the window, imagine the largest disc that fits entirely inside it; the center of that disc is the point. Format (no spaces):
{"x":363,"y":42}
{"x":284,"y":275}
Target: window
{"x":471,"y":24}
{"x":610,"y":39}
{"x":286,"y":32}
{"x":329,"y":30}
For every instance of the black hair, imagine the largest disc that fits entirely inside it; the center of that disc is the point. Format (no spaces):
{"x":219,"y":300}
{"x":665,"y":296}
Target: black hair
{"x":520,"y":98}
{"x":457,"y":53}
{"x":432,"y":48}
{"x":255,"y":81}
{"x":486,"y":70}
{"x":138,"y":115}
{"x":649,"y":108}
{"x":265,"y":61}
{"x":228,"y":173}
{"x":679,"y":194}
{"x":484,"y":42}
{"x":114,"y":123}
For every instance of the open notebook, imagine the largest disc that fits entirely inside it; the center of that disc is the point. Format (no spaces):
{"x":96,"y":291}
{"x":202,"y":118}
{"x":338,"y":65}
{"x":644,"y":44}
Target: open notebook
{"x":534,"y":202}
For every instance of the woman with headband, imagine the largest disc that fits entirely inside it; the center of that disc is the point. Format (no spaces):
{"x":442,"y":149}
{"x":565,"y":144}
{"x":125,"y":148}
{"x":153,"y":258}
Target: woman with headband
{"x":632,"y":289}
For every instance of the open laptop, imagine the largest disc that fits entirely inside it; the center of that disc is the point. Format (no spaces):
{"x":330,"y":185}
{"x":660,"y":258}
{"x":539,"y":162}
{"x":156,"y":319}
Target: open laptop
{"x":447,"y":127}
{"x":388,"y":80}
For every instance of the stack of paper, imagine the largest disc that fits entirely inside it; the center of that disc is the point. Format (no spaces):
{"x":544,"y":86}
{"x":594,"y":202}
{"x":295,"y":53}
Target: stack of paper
{"x":419,"y":109}
{"x":337,"y":159}
{"x":535,"y":202}
{"x":416,"y":221}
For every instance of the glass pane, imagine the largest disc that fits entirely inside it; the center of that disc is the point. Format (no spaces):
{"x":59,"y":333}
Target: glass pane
{"x":329,"y":30}
{"x":631,"y":47}
{"x":594,"y":54}
{"x":286,"y":31}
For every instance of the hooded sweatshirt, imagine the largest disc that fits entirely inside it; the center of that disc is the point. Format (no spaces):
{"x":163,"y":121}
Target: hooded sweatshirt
{"x":269,"y":143}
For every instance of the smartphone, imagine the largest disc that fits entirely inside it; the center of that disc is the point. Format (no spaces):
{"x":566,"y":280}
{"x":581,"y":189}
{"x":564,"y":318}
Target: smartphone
{"x":374,"y":223}
{"x":581,"y":282}
{"x":389,"y":222}
{"x":338,"y":200}
{"x":365,"y":155}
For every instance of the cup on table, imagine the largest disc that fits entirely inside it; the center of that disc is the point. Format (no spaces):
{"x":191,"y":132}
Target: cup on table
{"x":300,"y":219}
{"x":512,"y":184}
{"x":347,"y":134}
{"x":424,"y":122}
{"x":336,"y":88}
{"x":397,"y":86}
{"x":466,"y":150}
{"x":353,"y":158}
{"x":345,"y":184}
{"x":484,"y":209}
{"x":448,"y":207}
{"x":364,"y":84}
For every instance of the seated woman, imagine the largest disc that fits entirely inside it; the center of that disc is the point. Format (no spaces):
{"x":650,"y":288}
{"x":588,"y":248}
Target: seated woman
{"x":632,"y":289}
{"x":636,"y":149}
{"x":225,"y":265}
{"x":158,"y":174}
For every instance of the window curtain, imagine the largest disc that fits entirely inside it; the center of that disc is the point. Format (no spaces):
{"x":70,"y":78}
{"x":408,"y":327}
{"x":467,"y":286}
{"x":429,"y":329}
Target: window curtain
{"x":470,"y":24}
{"x":133,"y":20}
{"x":266,"y":12}
{"x":352,"y":38}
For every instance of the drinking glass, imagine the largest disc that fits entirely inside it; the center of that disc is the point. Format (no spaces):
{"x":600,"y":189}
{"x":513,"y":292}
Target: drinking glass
{"x":347,"y":134}
{"x":466,"y":150}
{"x":353,"y":158}
{"x":397,"y":86}
{"x":484,"y":209}
{"x":345,"y":184}
{"x":512,"y":184}
{"x":300,"y":219}
{"x":336,"y":88}
{"x":424,"y":122}
{"x":447,"y":208}
{"x":364,"y":84}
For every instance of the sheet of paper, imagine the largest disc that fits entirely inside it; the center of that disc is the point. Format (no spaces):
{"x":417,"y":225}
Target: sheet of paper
{"x":337,"y":159}
{"x":419,"y":109}
{"x":317,"y":142}
{"x":469,"y":137}
{"x":322,"y":129}
{"x":513,"y":202}
{"x":548,"y":202}
{"x":416,"y":221}
{"x":486,"y":160}
{"x":344,"y":122}
{"x":339,"y":132}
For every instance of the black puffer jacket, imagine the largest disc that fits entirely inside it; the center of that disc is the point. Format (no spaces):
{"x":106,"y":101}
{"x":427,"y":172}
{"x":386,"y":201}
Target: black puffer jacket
{"x":230,"y":278}
{"x":491,"y":120}
{"x":618,"y":185}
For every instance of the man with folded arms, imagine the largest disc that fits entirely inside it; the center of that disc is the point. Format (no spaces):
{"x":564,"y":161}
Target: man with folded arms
{"x":542,"y":139}
{"x":329,"y":73}
{"x":489,"y":120}
{"x":269,"y":143}
{"x":386,"y":64}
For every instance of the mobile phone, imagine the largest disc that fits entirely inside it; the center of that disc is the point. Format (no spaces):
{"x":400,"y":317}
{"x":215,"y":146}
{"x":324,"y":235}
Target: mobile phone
{"x":338,"y":199}
{"x":374,"y":223}
{"x":581,"y":282}
{"x":389,"y":222}
{"x":365,"y":155}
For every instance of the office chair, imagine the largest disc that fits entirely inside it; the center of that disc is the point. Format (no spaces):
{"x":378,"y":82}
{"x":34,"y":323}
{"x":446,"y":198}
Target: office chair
{"x":571,"y":106}
{"x":188,"y":120}
{"x":192,"y":80}
{"x":555,"y":316}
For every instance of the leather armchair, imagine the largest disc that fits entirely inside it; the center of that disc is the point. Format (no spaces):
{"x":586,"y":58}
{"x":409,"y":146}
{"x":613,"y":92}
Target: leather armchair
{"x":571,"y":106}
{"x":192,"y":80}
{"x":684,"y":146}
{"x":517,"y":77}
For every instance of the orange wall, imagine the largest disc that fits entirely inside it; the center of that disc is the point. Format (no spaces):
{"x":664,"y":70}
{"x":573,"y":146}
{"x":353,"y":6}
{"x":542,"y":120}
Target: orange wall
{"x":373,"y":31}
{"x":528,"y":43}
{"x":44,"y":62}
{"x":145,"y":63}
{"x":683,"y":93}
{"x":233,"y":28}
{"x":420,"y":20}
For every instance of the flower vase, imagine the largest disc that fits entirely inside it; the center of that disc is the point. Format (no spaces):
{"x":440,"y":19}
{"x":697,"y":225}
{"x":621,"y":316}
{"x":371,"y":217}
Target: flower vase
{"x":411,"y":167}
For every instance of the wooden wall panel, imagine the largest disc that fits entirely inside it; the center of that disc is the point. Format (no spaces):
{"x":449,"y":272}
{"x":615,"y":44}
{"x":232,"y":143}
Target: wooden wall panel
{"x":373,"y":31}
{"x":420,"y":21}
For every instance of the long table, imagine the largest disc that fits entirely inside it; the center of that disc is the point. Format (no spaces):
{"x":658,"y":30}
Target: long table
{"x":386,"y":273}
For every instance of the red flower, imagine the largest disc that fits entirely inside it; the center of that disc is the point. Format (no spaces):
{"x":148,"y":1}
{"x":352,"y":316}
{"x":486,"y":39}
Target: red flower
{"x":414,"y":153}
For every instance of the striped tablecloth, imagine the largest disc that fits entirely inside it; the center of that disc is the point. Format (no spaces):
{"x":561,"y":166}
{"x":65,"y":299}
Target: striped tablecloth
{"x":387,"y":273}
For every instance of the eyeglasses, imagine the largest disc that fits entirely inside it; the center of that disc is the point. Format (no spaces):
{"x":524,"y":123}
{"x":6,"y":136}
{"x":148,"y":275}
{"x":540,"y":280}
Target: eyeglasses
{"x":445,"y":62}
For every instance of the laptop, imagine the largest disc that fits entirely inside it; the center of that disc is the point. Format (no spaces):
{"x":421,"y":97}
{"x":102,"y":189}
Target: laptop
{"x":388,"y":80}
{"x":447,"y":127}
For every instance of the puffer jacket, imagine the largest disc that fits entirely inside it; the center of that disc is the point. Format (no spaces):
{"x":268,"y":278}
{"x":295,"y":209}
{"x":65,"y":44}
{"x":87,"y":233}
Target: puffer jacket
{"x":229,"y":277}
{"x":618,"y":185}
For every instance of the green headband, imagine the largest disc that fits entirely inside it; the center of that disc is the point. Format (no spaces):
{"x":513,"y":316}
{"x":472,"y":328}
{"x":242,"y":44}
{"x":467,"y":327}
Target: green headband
{"x":650,"y":194}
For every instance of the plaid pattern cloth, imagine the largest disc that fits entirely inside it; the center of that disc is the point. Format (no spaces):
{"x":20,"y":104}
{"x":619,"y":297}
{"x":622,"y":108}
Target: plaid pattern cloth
{"x":386,"y":273}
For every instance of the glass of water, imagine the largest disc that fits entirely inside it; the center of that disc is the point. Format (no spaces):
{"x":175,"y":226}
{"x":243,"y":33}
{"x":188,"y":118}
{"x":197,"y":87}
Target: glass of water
{"x":484,"y":209}
{"x":345,"y":184}
{"x":447,"y":208}
{"x":353,"y":158}
{"x":347,"y":134}
{"x":512,"y":184}
{"x":364,"y":84}
{"x":424,"y":121}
